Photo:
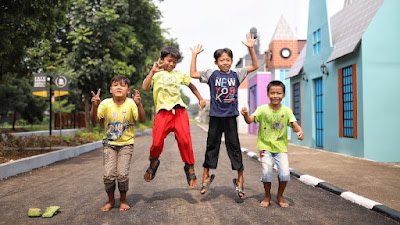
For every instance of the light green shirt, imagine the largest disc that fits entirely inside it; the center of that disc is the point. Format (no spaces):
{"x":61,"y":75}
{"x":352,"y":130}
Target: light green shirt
{"x":167,"y":90}
{"x":118,"y":121}
{"x":272,"y":131}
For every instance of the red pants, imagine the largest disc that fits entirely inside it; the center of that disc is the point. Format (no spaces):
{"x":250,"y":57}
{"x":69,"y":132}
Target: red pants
{"x":166,"y":122}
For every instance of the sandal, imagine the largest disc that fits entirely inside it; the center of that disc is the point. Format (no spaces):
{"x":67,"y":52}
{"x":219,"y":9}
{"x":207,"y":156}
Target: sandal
{"x":239,"y":190}
{"x":206,"y":185}
{"x":153,"y":171}
{"x":189,"y":176}
{"x":51,"y":211}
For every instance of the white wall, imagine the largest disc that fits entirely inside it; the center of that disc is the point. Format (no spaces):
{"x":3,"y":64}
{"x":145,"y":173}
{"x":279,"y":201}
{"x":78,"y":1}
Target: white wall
{"x":243,"y":96}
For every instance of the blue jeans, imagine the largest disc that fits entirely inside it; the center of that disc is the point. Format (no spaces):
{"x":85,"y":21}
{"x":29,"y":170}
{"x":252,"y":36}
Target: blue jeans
{"x":267,"y":163}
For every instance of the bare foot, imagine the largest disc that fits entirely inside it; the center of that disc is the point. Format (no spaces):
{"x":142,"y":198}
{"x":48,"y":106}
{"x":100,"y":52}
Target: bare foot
{"x":123,"y":206}
{"x":282,"y":202}
{"x":194,"y":183}
{"x":108,"y":206}
{"x":264,"y":203}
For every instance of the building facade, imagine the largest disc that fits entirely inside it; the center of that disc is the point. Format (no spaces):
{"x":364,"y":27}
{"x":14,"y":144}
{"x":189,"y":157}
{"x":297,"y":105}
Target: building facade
{"x":348,"y":59}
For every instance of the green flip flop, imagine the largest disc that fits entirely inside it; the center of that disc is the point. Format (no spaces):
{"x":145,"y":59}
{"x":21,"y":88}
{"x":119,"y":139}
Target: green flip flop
{"x":50,"y":211}
{"x":34,"y":212}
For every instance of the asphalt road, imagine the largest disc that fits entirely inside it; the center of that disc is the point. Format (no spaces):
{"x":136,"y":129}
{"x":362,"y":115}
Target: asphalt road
{"x":76,"y":185}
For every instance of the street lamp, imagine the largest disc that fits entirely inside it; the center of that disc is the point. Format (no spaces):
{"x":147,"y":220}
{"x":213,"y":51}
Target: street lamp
{"x":324,"y":70}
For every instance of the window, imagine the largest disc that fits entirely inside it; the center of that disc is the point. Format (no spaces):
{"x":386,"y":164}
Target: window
{"x":317,"y":42}
{"x":348,"y":102}
{"x":296,"y":102}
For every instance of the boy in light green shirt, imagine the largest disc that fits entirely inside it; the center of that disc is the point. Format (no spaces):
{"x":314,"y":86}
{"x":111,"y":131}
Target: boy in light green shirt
{"x":171,"y":112}
{"x":272,"y":140}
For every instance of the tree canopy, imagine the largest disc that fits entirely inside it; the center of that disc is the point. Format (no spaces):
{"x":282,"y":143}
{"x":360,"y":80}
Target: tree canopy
{"x":89,"y":41}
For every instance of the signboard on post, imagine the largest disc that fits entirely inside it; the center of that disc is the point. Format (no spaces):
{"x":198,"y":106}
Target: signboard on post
{"x":62,"y":86}
{"x":40,"y":81}
{"x":39,"y":84}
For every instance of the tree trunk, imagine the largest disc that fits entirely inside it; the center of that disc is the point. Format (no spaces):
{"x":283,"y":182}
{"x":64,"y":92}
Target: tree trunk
{"x":87,"y":111}
{"x":14,"y":120}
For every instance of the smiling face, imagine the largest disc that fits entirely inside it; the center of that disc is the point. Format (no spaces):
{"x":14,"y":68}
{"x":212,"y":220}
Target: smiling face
{"x":119,"y":90}
{"x":169,"y":62}
{"x":224,"y":62}
{"x":275,"y":95}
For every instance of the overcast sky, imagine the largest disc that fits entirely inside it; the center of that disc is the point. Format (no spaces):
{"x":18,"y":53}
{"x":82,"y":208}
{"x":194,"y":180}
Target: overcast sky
{"x":224,"y":23}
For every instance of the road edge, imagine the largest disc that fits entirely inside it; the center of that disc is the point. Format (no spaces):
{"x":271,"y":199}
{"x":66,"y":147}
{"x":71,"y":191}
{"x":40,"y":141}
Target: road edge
{"x":16,"y":167}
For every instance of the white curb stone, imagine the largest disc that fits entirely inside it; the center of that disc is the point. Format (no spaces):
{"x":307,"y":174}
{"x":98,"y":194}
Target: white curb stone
{"x":367,"y":203}
{"x":310,"y":180}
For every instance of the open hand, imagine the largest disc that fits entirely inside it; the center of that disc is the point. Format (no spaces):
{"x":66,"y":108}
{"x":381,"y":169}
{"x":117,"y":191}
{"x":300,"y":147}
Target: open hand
{"x":96,"y":98}
{"x":157,"y":66}
{"x":251,"y":41}
{"x":197,"y":49}
{"x":136,"y":97}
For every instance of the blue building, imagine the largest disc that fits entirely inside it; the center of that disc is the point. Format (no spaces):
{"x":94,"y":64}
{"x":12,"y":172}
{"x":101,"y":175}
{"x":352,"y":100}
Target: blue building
{"x":345,"y":82}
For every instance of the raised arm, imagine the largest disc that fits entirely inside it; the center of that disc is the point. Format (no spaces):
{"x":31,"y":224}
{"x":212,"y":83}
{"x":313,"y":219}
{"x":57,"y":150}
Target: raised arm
{"x":95,"y":106}
{"x":249,"y":119}
{"x":250,"y":45}
{"x":147,"y":81}
{"x":297,"y":128}
{"x":138,"y":100}
{"x":197,"y":49}
{"x":193,"y":88}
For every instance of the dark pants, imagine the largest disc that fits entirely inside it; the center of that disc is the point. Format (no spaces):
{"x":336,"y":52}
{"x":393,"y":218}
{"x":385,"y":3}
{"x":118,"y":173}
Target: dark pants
{"x":217,"y":126}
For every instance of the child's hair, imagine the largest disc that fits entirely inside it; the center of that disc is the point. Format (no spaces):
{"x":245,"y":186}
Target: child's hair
{"x":121,"y":79}
{"x":221,"y":51}
{"x":276,"y":83}
{"x":169,"y":50}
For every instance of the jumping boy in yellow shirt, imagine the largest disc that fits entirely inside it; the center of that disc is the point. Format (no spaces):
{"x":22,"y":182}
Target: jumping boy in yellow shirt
{"x":171,"y":113}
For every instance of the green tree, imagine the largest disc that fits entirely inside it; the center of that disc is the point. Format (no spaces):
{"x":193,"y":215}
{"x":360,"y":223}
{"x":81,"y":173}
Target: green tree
{"x":24,"y":24}
{"x":120,"y":37}
{"x":63,"y":106}
{"x":34,"y":110}
{"x":14,"y":94}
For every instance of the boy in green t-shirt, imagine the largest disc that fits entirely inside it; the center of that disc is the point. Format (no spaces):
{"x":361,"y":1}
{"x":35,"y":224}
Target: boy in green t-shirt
{"x":272,"y":140}
{"x":119,"y":114}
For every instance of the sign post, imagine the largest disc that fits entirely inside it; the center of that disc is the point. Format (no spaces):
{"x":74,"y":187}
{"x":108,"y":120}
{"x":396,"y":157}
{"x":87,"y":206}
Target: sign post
{"x":39,"y":89}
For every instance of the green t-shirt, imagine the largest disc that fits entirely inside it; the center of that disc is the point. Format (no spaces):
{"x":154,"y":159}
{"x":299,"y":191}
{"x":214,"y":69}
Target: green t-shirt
{"x":167,"y":89}
{"x":272,"y":131}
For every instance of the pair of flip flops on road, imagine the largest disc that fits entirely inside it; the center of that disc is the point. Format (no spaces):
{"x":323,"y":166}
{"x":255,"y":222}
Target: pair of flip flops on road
{"x":50,"y":212}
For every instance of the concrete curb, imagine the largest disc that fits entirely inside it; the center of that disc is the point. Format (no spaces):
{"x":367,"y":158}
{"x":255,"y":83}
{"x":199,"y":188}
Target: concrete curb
{"x":27,"y":164}
{"x":350,"y":196}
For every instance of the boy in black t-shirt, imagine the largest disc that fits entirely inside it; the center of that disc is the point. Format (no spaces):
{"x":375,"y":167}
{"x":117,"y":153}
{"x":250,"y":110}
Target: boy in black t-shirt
{"x":224,"y":84}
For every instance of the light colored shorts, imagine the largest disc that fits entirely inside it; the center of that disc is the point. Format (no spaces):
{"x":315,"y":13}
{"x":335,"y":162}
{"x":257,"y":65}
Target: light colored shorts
{"x":267,"y":163}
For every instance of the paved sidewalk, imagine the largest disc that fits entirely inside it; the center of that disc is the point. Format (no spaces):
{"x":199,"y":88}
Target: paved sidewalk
{"x":376,"y":181}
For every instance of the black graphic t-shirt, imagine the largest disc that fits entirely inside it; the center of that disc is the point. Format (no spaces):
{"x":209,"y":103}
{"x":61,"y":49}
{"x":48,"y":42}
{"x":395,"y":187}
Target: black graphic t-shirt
{"x":223,"y":90}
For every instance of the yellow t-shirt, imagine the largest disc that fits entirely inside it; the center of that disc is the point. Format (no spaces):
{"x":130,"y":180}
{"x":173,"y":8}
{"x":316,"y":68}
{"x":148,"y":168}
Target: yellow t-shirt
{"x":118,"y":121}
{"x":166,"y":89}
